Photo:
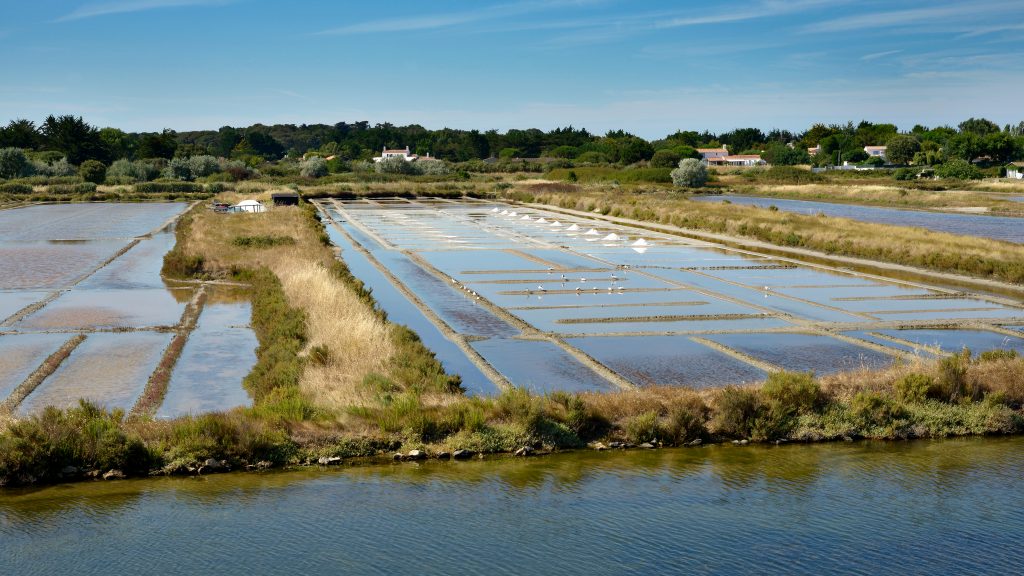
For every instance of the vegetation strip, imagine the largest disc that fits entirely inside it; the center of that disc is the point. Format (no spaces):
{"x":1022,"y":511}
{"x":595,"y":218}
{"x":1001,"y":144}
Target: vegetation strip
{"x":156,"y":387}
{"x":52,"y":362}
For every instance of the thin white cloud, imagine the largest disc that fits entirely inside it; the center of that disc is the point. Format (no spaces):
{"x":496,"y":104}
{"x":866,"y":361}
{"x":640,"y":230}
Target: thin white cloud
{"x":126,"y":6}
{"x":877,"y":55}
{"x":914,"y":16}
{"x":437,"y":21}
{"x":735,"y":13}
{"x":992,"y":30}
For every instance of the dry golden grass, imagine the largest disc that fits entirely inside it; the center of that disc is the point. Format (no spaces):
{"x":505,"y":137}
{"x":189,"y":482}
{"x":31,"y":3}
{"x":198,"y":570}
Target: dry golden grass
{"x":359,"y":342}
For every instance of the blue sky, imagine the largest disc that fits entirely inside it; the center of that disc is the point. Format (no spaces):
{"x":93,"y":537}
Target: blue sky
{"x":647,"y":67}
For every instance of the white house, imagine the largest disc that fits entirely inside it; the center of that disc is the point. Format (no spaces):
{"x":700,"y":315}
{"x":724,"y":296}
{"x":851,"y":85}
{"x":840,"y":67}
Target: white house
{"x":711,"y":153}
{"x":875,"y":151}
{"x":1015,"y":170}
{"x":735,"y":160}
{"x":396,"y":153}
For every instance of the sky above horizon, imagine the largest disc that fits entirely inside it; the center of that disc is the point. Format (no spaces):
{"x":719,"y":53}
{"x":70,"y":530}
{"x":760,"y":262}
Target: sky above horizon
{"x":649,"y":68}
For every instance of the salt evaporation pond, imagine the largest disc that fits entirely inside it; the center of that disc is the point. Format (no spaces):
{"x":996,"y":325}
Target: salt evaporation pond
{"x":217,"y":357}
{"x":94,"y":269}
{"x":108,"y":369}
{"x":629,"y":298}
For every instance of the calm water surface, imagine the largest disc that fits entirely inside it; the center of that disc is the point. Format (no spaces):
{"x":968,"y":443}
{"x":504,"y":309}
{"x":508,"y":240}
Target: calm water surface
{"x":997,"y":227}
{"x":940,"y":507}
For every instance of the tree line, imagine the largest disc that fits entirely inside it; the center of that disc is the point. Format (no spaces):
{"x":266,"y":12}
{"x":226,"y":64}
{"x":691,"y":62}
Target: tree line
{"x":72,"y":139}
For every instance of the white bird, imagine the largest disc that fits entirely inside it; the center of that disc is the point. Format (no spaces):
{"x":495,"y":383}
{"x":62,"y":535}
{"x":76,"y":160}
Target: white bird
{"x":583,"y":279}
{"x":542,"y":289}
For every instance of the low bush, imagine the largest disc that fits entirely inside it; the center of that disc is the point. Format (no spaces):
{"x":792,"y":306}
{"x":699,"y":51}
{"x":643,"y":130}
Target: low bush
{"x":263,"y":241}
{"x":82,"y":438}
{"x":167,"y":187}
{"x":72,"y":189}
{"x":734,"y":411}
{"x":15,"y":188}
{"x":913,"y":388}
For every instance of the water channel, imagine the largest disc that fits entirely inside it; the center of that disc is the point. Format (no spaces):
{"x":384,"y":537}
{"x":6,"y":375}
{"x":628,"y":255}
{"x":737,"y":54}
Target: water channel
{"x":996,"y":227}
{"x":923,"y":507}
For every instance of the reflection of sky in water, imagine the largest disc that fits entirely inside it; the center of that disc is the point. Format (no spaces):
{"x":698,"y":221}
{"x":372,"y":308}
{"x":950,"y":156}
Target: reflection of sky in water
{"x":667,"y":360}
{"x":804,"y":352}
{"x":21,"y":354}
{"x":109,"y":369}
{"x":218,"y":355}
{"x":539,"y":366}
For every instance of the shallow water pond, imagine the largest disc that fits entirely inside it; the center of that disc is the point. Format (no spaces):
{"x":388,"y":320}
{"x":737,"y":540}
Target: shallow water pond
{"x":539,"y":366}
{"x":951,"y":341}
{"x":219,"y":353}
{"x":21,"y":354}
{"x":109,"y":369}
{"x":49,"y":265}
{"x":667,"y":360}
{"x":88,"y":309}
{"x":804,"y":352}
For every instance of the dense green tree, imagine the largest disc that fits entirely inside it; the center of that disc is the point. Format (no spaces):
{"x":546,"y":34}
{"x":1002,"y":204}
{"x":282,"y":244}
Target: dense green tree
{"x":264,"y":144}
{"x":93,"y":171}
{"x":966,"y":146}
{"x":20,"y":134}
{"x":979,"y":126}
{"x":743,"y":139}
{"x":157,"y":145}
{"x":666,"y":158}
{"x":999,"y":146}
{"x":75,"y":138}
{"x":782,"y":155}
{"x":118,"y":143}
{"x":900,"y":149}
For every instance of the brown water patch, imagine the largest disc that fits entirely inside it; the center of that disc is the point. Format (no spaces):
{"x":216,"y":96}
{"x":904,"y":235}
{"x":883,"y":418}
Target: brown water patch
{"x":110,"y":369}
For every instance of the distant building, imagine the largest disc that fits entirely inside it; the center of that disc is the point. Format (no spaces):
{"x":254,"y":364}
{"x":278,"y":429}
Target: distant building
{"x":285,"y":198}
{"x":875,"y":151}
{"x":248,"y":206}
{"x":1015,"y":170}
{"x":711,"y":153}
{"x":814,"y":151}
{"x":396,"y":153}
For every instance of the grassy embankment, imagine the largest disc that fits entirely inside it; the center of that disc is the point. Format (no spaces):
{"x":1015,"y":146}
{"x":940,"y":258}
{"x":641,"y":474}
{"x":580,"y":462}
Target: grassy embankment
{"x":973,"y":256}
{"x":334,"y":378}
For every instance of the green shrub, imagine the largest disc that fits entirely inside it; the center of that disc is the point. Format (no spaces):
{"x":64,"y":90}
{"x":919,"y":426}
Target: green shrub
{"x":951,"y":384}
{"x":691,"y":173}
{"x":735,"y":410}
{"x":643,"y":428}
{"x":93,"y":171}
{"x":784,"y":175}
{"x":797,"y":391}
{"x":14,"y":163}
{"x":958,"y":169}
{"x":687,"y":421}
{"x":913,"y":388}
{"x":996,"y":355}
{"x":168,"y":187}
{"x":262,"y":241}
{"x":85,"y":437}
{"x":72,"y":189}
{"x":871,"y":409}
{"x":15,"y":188}
{"x":313,"y":167}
